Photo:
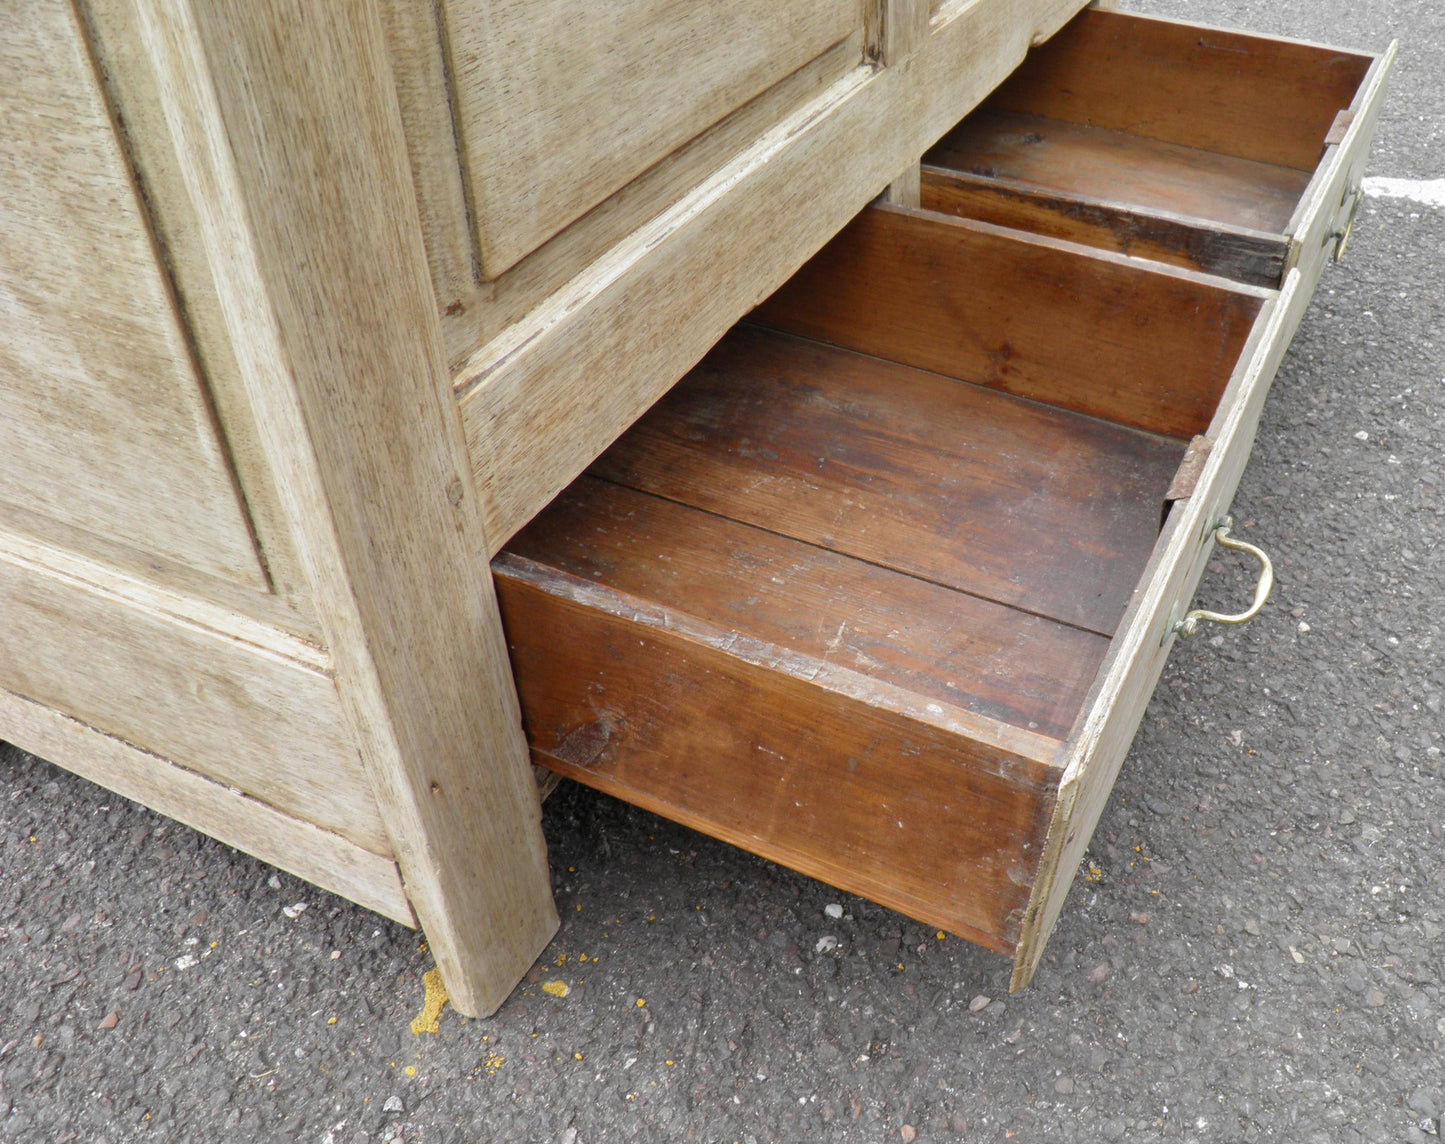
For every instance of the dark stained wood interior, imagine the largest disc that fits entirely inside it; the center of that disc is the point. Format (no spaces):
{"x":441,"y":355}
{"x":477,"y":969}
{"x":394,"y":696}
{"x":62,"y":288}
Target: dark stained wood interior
{"x":910,"y":813}
{"x":944,"y":646}
{"x":1252,"y":97}
{"x":1252,"y":256}
{"x":845,"y":611}
{"x":1141,"y":344}
{"x":1120,"y":167}
{"x":1045,"y":510}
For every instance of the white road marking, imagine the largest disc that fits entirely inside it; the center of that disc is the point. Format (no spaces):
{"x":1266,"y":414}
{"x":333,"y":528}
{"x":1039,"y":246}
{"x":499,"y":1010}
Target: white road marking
{"x":1429,"y":192}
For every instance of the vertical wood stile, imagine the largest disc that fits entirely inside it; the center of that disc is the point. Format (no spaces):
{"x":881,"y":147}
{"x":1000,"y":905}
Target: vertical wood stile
{"x":289,"y":133}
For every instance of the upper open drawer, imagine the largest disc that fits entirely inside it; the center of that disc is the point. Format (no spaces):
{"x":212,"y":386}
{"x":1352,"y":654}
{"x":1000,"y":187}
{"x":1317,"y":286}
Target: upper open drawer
{"x":1236,"y":154}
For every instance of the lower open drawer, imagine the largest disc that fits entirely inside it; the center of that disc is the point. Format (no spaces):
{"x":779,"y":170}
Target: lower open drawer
{"x":880,"y":589}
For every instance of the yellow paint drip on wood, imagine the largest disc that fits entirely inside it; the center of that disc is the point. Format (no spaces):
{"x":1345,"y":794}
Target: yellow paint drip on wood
{"x":429,"y":1019}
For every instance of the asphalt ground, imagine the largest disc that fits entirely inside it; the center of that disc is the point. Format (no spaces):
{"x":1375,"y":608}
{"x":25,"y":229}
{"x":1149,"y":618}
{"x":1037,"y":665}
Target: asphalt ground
{"x":1257,"y":954}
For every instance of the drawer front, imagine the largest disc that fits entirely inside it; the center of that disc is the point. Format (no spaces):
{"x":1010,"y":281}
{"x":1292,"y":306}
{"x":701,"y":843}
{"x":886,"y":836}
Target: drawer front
{"x":561,"y":103}
{"x":1102,"y":737}
{"x":1320,"y":227}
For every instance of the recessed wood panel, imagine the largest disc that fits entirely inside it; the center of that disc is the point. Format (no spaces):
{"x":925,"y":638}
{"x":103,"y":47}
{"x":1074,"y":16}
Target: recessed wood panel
{"x":105,"y":427}
{"x":561,"y":102}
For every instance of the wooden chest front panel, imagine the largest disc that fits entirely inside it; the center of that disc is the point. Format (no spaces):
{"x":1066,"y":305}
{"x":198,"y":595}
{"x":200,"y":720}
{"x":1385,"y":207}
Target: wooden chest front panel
{"x":559,"y":103}
{"x":107,"y":435}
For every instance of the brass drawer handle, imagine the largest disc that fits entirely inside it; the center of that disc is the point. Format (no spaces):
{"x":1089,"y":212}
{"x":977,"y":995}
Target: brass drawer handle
{"x":1189,"y":625}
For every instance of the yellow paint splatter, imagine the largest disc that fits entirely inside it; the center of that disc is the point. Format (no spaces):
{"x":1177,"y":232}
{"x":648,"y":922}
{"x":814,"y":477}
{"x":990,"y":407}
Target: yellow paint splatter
{"x":941,"y":935}
{"x":556,"y":988}
{"x":561,"y":959}
{"x":429,"y":1019}
{"x":410,"y":1070}
{"x":581,"y":957}
{"x":642,"y":1002}
{"x":331,"y":1020}
{"x":576,"y":1056}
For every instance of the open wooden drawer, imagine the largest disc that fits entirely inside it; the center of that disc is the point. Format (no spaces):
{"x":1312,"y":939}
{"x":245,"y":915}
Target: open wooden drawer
{"x":1237,"y":154}
{"x":879,"y":590}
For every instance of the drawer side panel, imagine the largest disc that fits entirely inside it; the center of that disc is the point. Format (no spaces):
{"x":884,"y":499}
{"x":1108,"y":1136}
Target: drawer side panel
{"x":1101,"y":740}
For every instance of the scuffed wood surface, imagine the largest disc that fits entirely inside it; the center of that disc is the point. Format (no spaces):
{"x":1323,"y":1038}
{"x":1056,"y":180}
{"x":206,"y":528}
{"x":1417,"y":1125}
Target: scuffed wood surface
{"x":231,"y":709}
{"x":1037,"y":508}
{"x":295,"y":844}
{"x":1231,"y":252}
{"x":1122,"y":167}
{"x":900,"y":809}
{"x":943,"y":646}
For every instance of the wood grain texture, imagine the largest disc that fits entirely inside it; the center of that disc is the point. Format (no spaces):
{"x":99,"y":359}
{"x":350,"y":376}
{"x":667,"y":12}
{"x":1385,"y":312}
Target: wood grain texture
{"x":416,"y":43}
{"x":105,"y":427}
{"x":1099,"y":743}
{"x":1034,"y":507}
{"x":844,"y":789}
{"x":295,"y":844}
{"x":236,"y":711}
{"x":1147,"y":346}
{"x":131,"y":86}
{"x":1255,"y":97}
{"x":944,"y":646}
{"x":545,"y":397}
{"x":326,"y":288}
{"x":1324,"y":211}
{"x":561,"y":102}
{"x":895,"y":29}
{"x":473,"y":318}
{"x":1251,"y":256}
{"x":1122,"y":167}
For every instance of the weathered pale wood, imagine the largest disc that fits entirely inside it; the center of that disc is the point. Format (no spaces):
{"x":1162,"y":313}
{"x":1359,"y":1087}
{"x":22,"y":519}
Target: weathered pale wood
{"x":472,"y":319}
{"x":105,"y":427}
{"x":1328,"y":203}
{"x":561,"y":102}
{"x":416,"y":41}
{"x":1097,"y":747}
{"x":295,"y":844}
{"x":545,"y":397}
{"x":326,"y":288}
{"x":1031,"y":506}
{"x":1139,"y":343}
{"x":1255,"y":97}
{"x":1245,"y":255}
{"x":191,"y":687}
{"x":825,"y":774}
{"x":907,"y":189}
{"x":895,"y":29}
{"x":130,"y":83}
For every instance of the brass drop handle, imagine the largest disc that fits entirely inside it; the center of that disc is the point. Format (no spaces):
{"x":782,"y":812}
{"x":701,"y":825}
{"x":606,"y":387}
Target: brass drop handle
{"x":1189,"y":625}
